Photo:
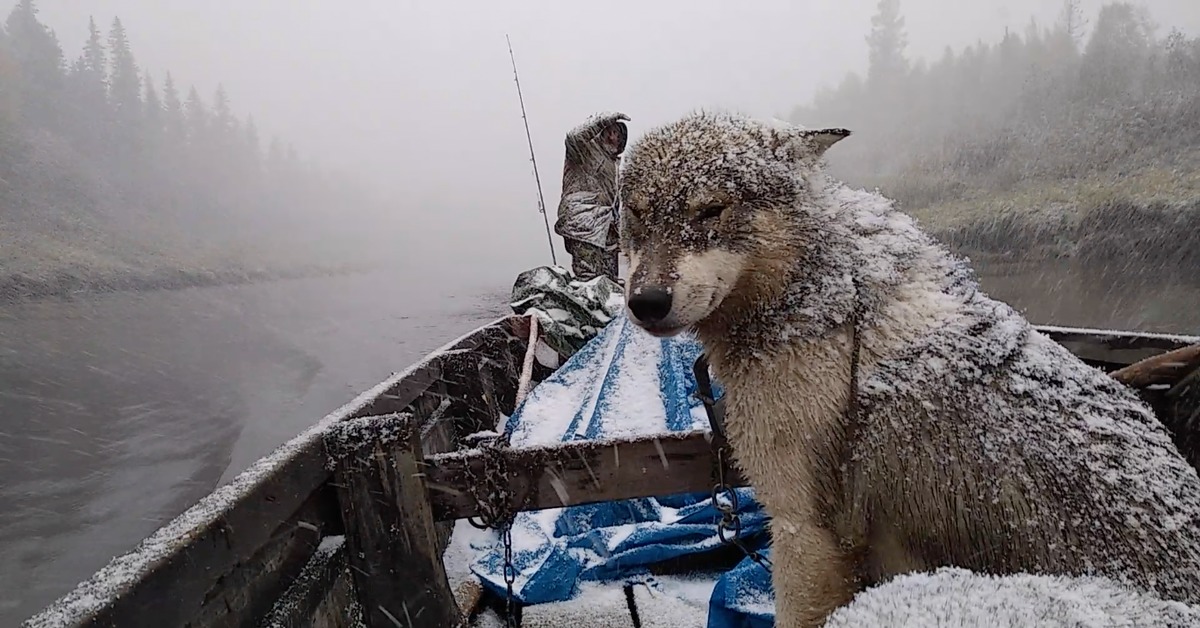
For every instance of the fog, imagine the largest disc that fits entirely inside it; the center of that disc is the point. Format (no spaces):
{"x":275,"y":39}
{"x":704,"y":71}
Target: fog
{"x":197,"y":144}
{"x":418,"y":98}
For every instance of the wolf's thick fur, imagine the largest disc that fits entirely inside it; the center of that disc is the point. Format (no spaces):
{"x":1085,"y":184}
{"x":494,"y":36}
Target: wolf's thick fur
{"x":963,"y":599}
{"x":978,"y":442}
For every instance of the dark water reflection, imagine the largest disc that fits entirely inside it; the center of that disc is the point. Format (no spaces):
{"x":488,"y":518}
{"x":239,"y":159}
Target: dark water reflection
{"x":1059,"y":294}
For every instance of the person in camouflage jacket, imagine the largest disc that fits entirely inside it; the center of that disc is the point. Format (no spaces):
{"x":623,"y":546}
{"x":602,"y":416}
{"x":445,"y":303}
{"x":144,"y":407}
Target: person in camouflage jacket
{"x":574,"y":306}
{"x":587,"y":212}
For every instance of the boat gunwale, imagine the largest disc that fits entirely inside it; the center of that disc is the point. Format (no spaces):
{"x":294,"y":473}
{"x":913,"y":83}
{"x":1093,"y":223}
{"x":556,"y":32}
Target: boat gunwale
{"x":1080,"y":334}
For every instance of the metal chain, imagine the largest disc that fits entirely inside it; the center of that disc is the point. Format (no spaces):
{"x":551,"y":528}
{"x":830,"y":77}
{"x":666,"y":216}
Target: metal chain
{"x":496,"y":513}
{"x":729,"y":528}
{"x":510,"y":576}
{"x":491,"y":495}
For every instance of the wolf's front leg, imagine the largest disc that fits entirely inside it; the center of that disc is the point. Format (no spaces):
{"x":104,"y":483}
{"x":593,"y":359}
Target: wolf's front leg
{"x":811,"y":575}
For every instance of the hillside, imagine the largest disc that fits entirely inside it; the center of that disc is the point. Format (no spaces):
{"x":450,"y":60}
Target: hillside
{"x":1076,"y":141}
{"x":110,"y":179}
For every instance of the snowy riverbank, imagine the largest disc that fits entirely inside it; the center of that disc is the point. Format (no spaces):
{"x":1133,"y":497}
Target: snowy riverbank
{"x":66,"y":285}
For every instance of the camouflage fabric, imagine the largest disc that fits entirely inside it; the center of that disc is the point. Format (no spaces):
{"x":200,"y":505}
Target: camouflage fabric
{"x":589,"y":261}
{"x":570,"y":312}
{"x":587,"y":213}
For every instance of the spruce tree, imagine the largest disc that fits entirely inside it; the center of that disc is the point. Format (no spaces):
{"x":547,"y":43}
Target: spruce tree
{"x":125,"y":83}
{"x":887,"y":41}
{"x":223,"y":124}
{"x":1116,"y":53}
{"x":38,"y":59}
{"x":174,"y":122}
{"x":89,"y":85}
{"x":253,"y":143}
{"x":152,"y":108}
{"x":196,"y":116}
{"x":95,"y":59}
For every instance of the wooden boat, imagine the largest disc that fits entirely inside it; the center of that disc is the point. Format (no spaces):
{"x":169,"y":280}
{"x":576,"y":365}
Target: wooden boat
{"x":345,"y":525}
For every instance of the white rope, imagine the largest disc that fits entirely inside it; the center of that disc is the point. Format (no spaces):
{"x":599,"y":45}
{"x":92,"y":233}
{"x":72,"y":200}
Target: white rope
{"x":527,"y":367}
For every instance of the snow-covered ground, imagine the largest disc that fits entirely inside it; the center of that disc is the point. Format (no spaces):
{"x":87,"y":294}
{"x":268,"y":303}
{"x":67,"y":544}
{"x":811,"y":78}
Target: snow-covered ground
{"x":665,"y":602}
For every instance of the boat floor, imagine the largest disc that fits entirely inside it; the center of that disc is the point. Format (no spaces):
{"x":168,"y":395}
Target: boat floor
{"x":660,"y":601}
{"x":667,"y":601}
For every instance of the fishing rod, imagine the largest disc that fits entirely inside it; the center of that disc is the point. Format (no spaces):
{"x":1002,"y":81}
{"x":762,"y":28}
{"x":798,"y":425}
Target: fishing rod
{"x":532,"y":158}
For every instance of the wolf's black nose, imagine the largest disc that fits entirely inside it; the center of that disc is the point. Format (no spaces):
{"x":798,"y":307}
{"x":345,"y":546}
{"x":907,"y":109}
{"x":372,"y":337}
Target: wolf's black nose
{"x":650,"y":305}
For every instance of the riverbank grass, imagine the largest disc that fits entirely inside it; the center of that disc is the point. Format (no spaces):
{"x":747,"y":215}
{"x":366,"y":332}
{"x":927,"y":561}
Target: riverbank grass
{"x":1147,"y":217}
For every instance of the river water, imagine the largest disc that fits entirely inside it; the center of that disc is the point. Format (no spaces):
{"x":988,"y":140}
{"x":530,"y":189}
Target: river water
{"x":118,"y":412}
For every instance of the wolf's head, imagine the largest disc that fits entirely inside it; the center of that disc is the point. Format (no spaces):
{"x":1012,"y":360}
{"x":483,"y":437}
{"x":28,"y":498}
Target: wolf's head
{"x":713,"y":216}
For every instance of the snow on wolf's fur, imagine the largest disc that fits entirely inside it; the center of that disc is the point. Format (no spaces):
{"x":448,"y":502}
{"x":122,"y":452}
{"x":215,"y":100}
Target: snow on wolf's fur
{"x":980,"y":443}
{"x":957,"y":597}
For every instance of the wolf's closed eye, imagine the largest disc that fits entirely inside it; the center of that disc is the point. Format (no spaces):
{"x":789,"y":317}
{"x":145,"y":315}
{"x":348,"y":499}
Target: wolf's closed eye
{"x":711,"y":211}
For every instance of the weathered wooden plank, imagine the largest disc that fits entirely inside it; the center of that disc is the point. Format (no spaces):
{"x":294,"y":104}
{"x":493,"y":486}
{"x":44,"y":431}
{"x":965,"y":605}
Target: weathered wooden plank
{"x":1163,"y":369}
{"x":576,"y":473}
{"x":584,"y":472}
{"x":1112,"y":350}
{"x":441,"y":409}
{"x":1118,"y":340}
{"x":1170,"y":383}
{"x":473,"y":403}
{"x":499,"y":376}
{"x":505,"y":324}
{"x":433,"y":409}
{"x":339,"y":609}
{"x":297,"y":607}
{"x":242,"y":596}
{"x":479,"y":393}
{"x":399,"y":397}
{"x":390,"y":533}
{"x":439,"y":434}
{"x":490,"y":388}
{"x":440,"y":366}
{"x":166,"y":580}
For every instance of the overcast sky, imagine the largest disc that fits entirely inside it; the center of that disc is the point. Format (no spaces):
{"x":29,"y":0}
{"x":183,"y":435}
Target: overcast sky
{"x":418,"y":96}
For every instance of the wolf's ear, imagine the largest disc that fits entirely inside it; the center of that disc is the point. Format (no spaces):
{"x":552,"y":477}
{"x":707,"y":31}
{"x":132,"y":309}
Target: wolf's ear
{"x":822,"y":139}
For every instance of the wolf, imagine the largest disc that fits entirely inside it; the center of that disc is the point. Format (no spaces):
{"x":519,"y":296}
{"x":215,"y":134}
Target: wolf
{"x":891,"y":417}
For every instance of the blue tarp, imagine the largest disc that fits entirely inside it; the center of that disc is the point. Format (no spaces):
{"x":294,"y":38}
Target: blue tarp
{"x":623,"y":383}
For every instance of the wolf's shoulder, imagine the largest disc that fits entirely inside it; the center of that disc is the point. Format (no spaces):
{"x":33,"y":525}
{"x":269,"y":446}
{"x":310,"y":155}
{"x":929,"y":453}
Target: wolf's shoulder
{"x":990,"y":377}
{"x":986,"y":344}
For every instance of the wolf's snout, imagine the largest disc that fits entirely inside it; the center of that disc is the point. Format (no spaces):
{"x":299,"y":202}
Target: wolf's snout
{"x":650,"y":305}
